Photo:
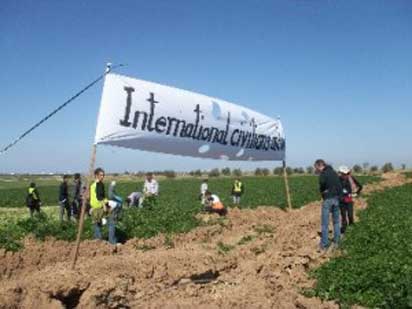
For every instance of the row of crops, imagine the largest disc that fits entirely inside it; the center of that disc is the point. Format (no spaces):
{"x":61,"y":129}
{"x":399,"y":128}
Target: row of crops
{"x":175,"y":213}
{"x":376,"y":268}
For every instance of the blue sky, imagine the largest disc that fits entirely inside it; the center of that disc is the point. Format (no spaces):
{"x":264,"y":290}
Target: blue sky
{"x":339,"y":73}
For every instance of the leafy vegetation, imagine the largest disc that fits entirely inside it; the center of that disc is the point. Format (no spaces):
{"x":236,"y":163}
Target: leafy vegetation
{"x":175,"y":212}
{"x":376,"y":267}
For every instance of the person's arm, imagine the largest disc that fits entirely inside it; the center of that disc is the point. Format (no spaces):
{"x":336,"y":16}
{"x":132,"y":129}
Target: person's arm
{"x":156,"y":188}
{"x":358,"y":184}
{"x":322,"y":183}
{"x":37,"y":195}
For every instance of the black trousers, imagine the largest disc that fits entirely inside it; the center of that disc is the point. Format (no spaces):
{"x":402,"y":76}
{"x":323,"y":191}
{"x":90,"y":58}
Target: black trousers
{"x":346,"y":211}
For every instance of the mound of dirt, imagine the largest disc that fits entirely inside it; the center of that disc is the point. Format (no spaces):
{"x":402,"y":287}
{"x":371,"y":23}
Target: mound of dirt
{"x":251,"y":259}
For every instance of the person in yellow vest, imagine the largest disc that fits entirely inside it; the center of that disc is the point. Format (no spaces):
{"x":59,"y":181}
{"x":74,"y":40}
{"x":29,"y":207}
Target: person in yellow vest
{"x":237,"y":191}
{"x":100,"y":208}
{"x":213,"y":204}
{"x":33,"y":201}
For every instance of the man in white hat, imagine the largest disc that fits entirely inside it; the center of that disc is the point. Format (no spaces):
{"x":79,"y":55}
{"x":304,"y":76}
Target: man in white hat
{"x":350,"y":187}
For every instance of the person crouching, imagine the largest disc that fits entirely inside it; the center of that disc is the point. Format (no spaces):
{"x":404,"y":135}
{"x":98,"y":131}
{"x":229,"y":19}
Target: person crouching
{"x":214,"y":205}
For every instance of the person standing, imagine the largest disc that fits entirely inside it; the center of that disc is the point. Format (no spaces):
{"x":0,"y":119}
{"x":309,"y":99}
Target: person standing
{"x":77,"y":196}
{"x":331,"y":191}
{"x":33,"y":201}
{"x":150,"y":191}
{"x":350,"y":188}
{"x":64,"y":199}
{"x":100,"y":207}
{"x":204,"y":187}
{"x":237,"y":191}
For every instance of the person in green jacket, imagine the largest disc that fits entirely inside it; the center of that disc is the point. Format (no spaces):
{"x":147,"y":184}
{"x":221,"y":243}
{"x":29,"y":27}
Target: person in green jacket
{"x":237,"y":191}
{"x":33,"y":201}
{"x":100,"y":208}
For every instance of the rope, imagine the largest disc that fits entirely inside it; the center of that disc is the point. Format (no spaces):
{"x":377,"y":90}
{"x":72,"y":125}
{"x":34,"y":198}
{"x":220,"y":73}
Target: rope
{"x":31,"y":129}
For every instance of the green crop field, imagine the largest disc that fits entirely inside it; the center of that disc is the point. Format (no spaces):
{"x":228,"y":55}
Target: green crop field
{"x":376,"y":268}
{"x":175,"y":213}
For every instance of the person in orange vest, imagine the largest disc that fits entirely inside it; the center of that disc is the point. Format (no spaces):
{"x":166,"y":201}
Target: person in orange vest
{"x":214,"y":205}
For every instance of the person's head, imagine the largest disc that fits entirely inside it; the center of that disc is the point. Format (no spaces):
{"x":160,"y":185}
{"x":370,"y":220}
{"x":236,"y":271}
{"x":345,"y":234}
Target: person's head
{"x":32,"y":185}
{"x":99,"y":174}
{"x":237,"y":178}
{"x":77,"y":177}
{"x":149,"y":176}
{"x":208,"y":194}
{"x":65,"y":178}
{"x":319,"y":165}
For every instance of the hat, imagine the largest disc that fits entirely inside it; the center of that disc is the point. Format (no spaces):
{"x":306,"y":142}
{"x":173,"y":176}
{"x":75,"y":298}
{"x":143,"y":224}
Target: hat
{"x":344,"y":169}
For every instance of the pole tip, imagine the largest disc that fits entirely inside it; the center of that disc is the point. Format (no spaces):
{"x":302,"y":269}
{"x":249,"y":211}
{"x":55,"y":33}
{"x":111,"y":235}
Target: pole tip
{"x":108,"y":67}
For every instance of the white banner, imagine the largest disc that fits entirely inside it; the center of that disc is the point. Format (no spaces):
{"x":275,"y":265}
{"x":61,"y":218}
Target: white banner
{"x":142,"y":115}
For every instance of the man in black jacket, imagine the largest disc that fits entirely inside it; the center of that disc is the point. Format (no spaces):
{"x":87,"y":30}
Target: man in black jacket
{"x":64,"y":199}
{"x":331,"y":191}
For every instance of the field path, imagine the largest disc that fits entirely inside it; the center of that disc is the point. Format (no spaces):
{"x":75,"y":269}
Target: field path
{"x":253,"y":259}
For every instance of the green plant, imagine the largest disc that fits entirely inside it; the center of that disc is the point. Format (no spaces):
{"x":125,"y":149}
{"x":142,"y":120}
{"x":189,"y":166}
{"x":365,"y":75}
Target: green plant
{"x":245,"y":239}
{"x":264,"y":229}
{"x":223,"y":248}
{"x":376,"y":268}
{"x":168,"y":242}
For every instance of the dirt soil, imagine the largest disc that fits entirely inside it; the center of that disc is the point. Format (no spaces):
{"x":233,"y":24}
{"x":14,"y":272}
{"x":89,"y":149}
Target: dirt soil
{"x":252,"y":259}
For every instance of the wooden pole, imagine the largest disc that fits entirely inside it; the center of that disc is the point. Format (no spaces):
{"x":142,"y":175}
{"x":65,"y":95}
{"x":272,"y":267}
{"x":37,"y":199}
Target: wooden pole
{"x":287,"y":189}
{"x":86,"y":195}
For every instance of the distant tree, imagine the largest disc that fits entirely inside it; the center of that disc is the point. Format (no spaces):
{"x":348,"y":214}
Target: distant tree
{"x":126,"y":172}
{"x":226,"y":171}
{"x":298,"y":170}
{"x":278,"y":171}
{"x":365,"y":166}
{"x":310,"y":170}
{"x":237,"y":172}
{"x":214,"y":173}
{"x":374,"y":168}
{"x":289,"y":170}
{"x":265,"y":172}
{"x":258,"y":172}
{"x":357,"y":169}
{"x":169,"y":174}
{"x":403,"y":167}
{"x":387,"y":167}
{"x":198,"y":173}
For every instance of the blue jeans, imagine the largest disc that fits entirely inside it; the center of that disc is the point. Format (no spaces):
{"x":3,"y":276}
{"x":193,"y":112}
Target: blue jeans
{"x":330,"y":205}
{"x":111,"y":224}
{"x":97,"y":231}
